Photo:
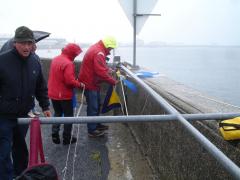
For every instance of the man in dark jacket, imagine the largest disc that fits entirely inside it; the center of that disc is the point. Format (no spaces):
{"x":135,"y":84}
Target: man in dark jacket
{"x":21,"y":80}
{"x":7,"y":46}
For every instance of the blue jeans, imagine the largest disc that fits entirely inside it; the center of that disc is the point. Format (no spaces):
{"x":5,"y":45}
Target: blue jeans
{"x":12,"y":137}
{"x":93,"y":107}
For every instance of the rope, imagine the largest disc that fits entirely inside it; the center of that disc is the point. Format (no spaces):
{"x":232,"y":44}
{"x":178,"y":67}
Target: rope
{"x":124,"y":99}
{"x":69,"y":147}
{"x":145,"y":104}
{"x":78,"y":130}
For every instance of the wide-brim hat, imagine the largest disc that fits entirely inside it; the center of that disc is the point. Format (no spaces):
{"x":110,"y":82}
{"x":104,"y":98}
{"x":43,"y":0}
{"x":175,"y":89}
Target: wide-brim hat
{"x":24,"y":34}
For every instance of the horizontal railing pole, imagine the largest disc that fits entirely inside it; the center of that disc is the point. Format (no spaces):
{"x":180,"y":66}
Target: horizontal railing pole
{"x":210,"y":116}
{"x":130,"y":118}
{"x":148,"y":14}
{"x":227,"y":163}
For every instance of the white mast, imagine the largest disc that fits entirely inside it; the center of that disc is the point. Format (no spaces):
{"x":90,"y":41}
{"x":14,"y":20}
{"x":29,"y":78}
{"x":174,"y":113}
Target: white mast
{"x":131,"y":9}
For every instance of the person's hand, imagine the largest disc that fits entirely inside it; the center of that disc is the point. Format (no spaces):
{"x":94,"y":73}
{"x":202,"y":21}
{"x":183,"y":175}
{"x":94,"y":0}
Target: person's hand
{"x":47,"y":113}
{"x":82,"y":85}
{"x":111,"y":71}
{"x":117,"y":81}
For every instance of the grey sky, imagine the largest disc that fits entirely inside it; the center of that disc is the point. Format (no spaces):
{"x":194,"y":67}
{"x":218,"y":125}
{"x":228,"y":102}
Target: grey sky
{"x":196,"y":22}
{"x":185,"y":21}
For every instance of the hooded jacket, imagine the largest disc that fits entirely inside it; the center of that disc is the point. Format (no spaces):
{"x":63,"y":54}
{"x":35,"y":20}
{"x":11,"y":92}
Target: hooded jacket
{"x":94,"y":69}
{"x":20,"y":81}
{"x":62,"y":79}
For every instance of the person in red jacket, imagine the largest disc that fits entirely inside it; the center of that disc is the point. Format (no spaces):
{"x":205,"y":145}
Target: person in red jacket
{"x":61,"y":83}
{"x":93,"y":71}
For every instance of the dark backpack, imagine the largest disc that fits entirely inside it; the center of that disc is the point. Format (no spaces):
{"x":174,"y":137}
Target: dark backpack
{"x":37,"y":169}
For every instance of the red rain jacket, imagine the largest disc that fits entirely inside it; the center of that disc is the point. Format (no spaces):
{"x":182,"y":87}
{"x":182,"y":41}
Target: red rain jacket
{"x":94,"y":69}
{"x":62,"y":79}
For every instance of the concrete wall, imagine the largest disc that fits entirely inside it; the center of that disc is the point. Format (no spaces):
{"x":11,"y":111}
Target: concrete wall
{"x":170,"y":148}
{"x":45,"y":62}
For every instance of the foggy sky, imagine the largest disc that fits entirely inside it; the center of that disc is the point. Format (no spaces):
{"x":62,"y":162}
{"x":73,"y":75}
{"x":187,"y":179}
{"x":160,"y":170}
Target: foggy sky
{"x":185,"y":21}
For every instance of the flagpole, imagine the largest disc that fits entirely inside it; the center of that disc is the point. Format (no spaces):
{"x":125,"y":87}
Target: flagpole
{"x":135,"y":15}
{"x":134,"y":31}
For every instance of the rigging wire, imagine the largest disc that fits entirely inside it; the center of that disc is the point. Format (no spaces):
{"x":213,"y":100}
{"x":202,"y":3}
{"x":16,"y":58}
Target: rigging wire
{"x":69,"y":146}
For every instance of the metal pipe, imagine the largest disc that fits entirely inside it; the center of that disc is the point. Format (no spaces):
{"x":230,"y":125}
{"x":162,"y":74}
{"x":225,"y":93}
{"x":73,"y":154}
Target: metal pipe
{"x":130,"y":118}
{"x":134,"y":31}
{"x":148,"y":14}
{"x":228,"y":164}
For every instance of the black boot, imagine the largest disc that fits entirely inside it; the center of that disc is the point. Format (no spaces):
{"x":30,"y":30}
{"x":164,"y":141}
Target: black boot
{"x":56,"y":138}
{"x":102,"y":127}
{"x":68,"y":140}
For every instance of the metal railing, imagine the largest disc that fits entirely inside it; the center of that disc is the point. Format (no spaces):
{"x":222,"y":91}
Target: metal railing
{"x":128,"y":119}
{"x":228,"y":164}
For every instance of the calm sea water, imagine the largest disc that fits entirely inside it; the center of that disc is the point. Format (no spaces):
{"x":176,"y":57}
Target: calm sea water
{"x":213,"y":70}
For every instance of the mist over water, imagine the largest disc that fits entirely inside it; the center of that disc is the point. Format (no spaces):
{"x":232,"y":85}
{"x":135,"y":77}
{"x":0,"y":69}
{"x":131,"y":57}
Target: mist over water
{"x":212,"y":70}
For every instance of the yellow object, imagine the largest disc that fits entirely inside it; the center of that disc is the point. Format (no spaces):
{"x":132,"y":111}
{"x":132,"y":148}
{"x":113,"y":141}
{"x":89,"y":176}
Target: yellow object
{"x":110,"y":42}
{"x":118,"y":73}
{"x":230,"y":128}
{"x":114,"y":99}
{"x":111,"y":100}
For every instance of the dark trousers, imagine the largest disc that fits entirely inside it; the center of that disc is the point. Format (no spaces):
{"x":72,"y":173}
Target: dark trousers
{"x":93,"y":107}
{"x":62,"y":108}
{"x":19,"y":149}
{"x":12,"y":137}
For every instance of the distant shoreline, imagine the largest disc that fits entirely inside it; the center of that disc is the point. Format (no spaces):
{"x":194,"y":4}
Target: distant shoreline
{"x":157,"y":46}
{"x":55,"y":43}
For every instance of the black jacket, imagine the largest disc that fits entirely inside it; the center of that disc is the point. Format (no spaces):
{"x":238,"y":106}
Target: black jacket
{"x":20,"y":81}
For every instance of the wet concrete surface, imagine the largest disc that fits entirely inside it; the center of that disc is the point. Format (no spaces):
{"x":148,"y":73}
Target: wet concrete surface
{"x":126,"y":159}
{"x":91,"y":157}
{"x":116,"y":156}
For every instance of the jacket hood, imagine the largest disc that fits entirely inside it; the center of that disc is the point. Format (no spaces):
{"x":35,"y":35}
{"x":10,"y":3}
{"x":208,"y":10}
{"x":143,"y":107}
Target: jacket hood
{"x":71,"y":50}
